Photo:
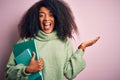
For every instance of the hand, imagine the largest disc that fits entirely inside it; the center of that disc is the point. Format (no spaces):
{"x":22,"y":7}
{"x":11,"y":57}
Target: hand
{"x":88,"y":43}
{"x":34,"y":65}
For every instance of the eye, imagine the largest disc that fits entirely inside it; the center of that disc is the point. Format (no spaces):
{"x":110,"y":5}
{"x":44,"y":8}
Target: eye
{"x":41,"y":15}
{"x":51,"y":15}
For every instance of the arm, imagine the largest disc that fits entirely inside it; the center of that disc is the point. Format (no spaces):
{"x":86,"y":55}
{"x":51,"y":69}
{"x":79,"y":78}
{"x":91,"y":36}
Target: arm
{"x":74,"y":63}
{"x":15,"y":72}
{"x":21,"y":72}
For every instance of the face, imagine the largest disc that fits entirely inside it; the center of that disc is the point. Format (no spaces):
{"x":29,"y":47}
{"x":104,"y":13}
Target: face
{"x":46,"y":20}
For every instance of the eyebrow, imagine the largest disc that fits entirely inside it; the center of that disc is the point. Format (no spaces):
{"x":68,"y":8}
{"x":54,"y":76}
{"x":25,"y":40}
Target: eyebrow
{"x":41,"y":12}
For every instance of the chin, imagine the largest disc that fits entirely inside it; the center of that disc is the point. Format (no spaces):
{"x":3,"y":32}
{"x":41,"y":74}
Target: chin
{"x":48,"y":32}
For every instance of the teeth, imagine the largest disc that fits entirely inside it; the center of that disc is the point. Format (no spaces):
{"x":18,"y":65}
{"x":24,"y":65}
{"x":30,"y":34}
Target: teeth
{"x":47,"y":24}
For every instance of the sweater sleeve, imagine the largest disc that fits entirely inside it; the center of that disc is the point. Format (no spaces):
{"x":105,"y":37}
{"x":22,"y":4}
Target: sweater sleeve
{"x":75,"y":62}
{"x":15,"y":72}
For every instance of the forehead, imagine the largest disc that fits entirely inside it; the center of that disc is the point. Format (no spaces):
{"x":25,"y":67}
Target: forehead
{"x":44,"y":9}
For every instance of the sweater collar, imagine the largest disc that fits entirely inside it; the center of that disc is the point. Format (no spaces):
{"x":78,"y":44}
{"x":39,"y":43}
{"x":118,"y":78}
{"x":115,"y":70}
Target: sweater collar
{"x":42,"y":36}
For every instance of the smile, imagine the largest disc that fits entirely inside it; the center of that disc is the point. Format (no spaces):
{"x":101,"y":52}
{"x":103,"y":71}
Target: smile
{"x":47,"y":25}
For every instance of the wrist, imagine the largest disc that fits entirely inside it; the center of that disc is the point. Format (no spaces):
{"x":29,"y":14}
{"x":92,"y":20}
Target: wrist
{"x":82,"y":47}
{"x":27,"y":70}
{"x":24,"y":72}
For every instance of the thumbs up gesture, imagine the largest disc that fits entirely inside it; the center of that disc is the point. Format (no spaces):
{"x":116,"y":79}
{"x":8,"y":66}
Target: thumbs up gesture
{"x":34,"y":65}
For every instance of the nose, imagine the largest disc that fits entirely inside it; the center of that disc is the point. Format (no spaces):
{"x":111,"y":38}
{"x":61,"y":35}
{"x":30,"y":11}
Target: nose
{"x":47,"y":17}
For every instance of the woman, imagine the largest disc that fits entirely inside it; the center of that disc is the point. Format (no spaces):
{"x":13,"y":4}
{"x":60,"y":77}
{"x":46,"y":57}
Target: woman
{"x":50,"y":23}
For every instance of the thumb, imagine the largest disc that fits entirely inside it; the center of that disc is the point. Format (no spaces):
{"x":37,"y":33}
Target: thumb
{"x":33,"y":56}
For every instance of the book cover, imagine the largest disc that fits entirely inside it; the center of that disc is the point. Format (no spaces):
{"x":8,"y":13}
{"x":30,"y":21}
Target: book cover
{"x":22,"y":51}
{"x":24,"y":57}
{"x":20,"y":47}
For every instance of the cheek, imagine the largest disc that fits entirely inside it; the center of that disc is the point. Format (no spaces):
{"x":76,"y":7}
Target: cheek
{"x":53,"y":21}
{"x":40,"y":21}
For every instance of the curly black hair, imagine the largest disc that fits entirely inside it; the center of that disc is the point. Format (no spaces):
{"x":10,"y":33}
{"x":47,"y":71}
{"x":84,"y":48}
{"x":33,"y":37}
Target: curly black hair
{"x":64,"y":19}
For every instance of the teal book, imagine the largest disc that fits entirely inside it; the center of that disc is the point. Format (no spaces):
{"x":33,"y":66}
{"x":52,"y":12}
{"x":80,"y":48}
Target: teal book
{"x":24,"y":57}
{"x":23,"y":53}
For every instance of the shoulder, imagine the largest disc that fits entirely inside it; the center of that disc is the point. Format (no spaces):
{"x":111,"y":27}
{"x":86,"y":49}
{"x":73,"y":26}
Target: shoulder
{"x":23,"y":40}
{"x":68,"y":43}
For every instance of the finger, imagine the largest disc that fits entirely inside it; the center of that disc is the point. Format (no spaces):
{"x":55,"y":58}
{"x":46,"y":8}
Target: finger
{"x":41,"y":62}
{"x":33,"y":56}
{"x":40,"y":66}
{"x":93,"y":41}
{"x":96,"y":39}
{"x":41,"y":59}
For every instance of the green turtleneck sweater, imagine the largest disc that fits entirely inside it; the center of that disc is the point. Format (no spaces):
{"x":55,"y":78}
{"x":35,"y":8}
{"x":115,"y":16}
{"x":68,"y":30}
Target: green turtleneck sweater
{"x":58,"y":56}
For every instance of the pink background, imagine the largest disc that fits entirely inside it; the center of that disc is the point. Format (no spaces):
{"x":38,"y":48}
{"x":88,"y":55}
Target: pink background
{"x":93,"y":17}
